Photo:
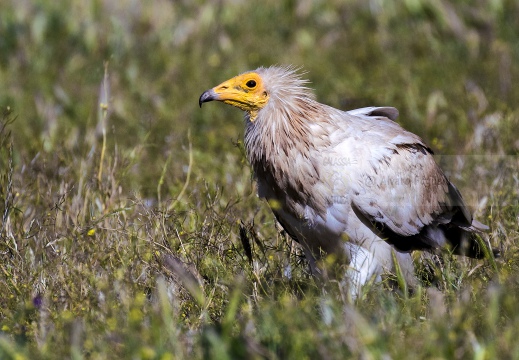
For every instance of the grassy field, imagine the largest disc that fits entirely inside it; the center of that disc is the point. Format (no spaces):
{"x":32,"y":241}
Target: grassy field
{"x":124,"y":207}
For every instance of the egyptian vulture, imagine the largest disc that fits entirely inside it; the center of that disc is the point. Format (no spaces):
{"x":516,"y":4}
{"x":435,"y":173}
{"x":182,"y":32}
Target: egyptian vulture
{"x":353,"y":183}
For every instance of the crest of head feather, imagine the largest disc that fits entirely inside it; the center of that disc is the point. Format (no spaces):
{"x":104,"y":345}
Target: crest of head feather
{"x":285,"y":84}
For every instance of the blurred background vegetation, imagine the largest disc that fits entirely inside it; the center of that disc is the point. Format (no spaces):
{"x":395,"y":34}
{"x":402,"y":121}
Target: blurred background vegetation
{"x":123,"y":225}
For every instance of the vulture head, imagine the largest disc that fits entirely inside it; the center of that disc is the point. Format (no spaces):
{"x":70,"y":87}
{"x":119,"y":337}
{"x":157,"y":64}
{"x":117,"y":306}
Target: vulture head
{"x":273,"y":87}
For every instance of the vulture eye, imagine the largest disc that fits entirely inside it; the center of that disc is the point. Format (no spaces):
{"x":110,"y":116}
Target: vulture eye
{"x":250,"y":84}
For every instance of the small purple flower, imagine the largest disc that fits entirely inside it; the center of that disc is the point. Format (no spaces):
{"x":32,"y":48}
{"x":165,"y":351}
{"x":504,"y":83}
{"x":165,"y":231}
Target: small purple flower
{"x":37,"y":301}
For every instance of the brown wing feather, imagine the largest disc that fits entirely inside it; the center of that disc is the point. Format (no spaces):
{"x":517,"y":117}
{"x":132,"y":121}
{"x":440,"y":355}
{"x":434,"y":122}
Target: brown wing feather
{"x":407,"y":199}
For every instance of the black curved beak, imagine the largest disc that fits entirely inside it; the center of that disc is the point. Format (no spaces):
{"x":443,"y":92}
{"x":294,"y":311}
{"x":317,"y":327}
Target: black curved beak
{"x":207,"y":96}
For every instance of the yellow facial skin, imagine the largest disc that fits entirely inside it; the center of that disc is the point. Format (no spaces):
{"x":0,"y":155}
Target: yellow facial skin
{"x":245,"y":92}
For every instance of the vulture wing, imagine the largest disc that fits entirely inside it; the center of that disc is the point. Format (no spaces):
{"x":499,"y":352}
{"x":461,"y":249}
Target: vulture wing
{"x":402,"y":194}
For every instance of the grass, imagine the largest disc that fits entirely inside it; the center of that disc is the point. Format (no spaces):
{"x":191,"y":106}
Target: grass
{"x":127,"y":212}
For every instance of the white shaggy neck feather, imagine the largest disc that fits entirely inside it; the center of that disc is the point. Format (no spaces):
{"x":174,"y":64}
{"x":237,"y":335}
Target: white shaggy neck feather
{"x":283,"y":131}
